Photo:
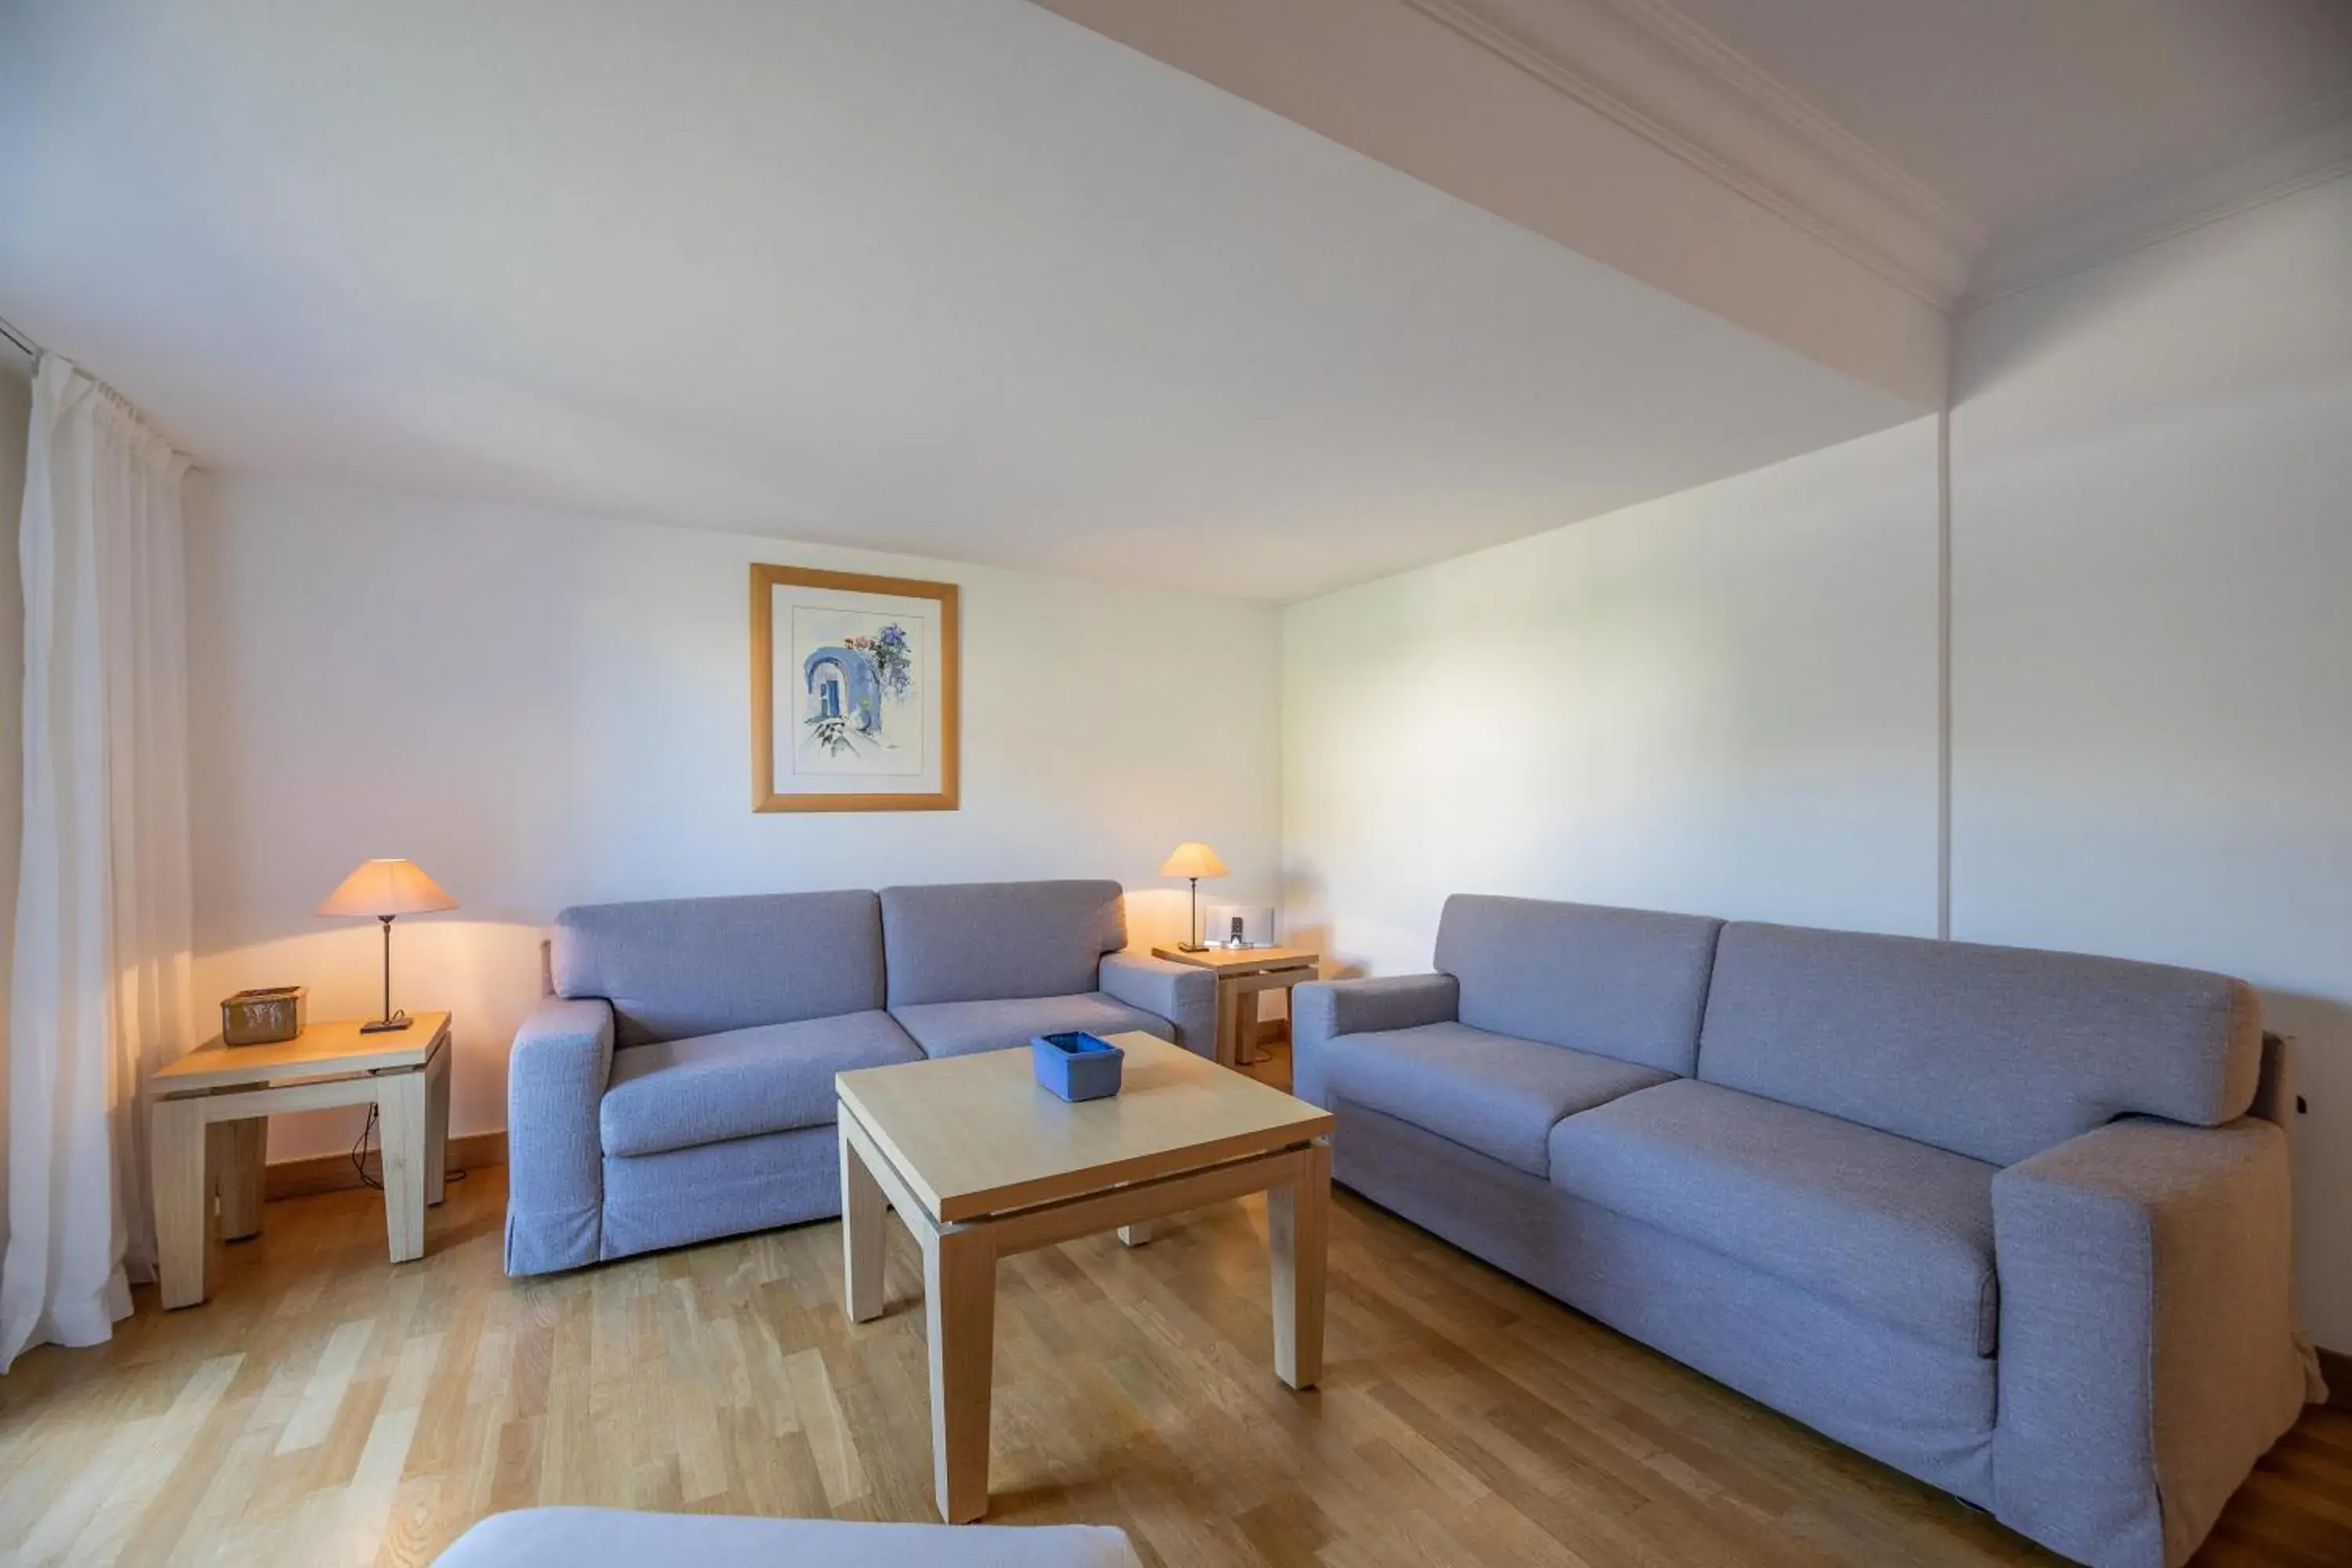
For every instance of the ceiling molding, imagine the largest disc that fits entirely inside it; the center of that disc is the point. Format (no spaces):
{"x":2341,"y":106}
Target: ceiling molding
{"x":2306,"y":146}
{"x":1656,"y":72}
{"x":1620,"y":130}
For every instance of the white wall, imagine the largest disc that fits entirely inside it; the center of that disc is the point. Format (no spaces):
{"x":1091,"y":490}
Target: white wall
{"x":1723,"y":702}
{"x":544,"y":710}
{"x":2152,"y":519}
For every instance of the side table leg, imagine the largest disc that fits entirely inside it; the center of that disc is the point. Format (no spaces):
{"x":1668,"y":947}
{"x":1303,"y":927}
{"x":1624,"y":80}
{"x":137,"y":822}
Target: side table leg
{"x":183,"y":1201}
{"x":1298,"y":1222}
{"x":436,"y":1127}
{"x":1228,"y":1023}
{"x":863,"y":1207}
{"x":960,"y":1300}
{"x":400,"y":1123}
{"x":240,"y":1155}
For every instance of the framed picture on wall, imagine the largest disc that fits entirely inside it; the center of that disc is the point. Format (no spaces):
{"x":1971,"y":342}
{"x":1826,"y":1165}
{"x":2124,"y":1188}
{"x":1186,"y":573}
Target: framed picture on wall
{"x":854,"y":695}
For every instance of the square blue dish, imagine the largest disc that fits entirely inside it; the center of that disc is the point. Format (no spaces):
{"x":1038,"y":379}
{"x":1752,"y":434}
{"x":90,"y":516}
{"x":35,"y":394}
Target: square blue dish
{"x":1076,"y":1066}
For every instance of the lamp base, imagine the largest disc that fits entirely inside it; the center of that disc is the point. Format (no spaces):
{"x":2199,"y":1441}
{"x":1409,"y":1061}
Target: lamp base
{"x":1191,"y":947}
{"x":385,"y":1025}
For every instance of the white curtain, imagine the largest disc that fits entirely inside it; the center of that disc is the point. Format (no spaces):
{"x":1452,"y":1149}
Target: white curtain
{"x":100,"y":994}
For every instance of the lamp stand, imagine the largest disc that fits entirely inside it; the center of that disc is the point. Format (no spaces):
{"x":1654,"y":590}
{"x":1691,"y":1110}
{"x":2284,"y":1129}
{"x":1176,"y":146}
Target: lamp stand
{"x":390,"y":1020}
{"x":1192,"y":942}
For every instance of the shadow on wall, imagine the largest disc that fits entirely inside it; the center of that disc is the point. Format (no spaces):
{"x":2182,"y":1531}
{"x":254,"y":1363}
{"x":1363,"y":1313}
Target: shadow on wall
{"x":1305,"y":891}
{"x":1316,"y":938}
{"x":2322,"y":1027}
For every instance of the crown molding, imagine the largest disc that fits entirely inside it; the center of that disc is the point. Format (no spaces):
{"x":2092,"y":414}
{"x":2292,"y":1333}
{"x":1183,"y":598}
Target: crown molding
{"x":2306,"y":146}
{"x":1618,"y":129}
{"x":1656,"y":72}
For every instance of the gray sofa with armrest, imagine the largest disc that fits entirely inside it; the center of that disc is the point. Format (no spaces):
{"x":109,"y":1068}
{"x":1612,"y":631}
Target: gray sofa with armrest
{"x":678,"y":1083}
{"x":2000,"y":1218}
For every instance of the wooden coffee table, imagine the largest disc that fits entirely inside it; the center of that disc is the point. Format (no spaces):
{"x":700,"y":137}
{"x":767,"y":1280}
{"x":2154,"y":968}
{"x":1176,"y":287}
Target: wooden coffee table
{"x":981,"y":1163}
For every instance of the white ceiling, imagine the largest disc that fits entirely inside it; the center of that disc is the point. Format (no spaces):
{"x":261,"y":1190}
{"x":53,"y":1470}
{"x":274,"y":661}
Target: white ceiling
{"x":961,"y":278}
{"x":2010,"y":106}
{"x":950,"y":277}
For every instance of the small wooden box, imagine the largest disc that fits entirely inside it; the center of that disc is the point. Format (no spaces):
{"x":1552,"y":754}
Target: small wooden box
{"x":263,"y":1016}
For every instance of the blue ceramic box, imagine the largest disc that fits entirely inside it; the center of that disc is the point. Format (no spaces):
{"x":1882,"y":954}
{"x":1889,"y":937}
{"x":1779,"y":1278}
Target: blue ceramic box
{"x":1076,"y":1066}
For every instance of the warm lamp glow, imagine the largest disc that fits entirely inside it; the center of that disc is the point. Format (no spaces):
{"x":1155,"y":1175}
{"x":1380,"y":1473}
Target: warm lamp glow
{"x":387,"y":888}
{"x":1193,"y":858}
{"x":391,"y":887}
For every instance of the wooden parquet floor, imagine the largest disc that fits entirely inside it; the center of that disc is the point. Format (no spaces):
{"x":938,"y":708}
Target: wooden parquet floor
{"x":326,"y":1407}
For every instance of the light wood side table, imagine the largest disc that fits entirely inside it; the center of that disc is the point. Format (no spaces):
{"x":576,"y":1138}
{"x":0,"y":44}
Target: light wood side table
{"x":1242,"y":973}
{"x":210,"y":1132}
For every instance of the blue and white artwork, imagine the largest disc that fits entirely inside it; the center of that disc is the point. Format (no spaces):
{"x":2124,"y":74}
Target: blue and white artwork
{"x":860,"y":685}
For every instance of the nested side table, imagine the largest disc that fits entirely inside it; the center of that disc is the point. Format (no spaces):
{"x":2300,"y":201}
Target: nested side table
{"x":210,"y":1131}
{"x":1242,"y":973}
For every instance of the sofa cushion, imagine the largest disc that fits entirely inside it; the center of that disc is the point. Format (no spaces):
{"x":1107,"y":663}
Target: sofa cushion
{"x":1897,"y":1230}
{"x":1494,"y":1093}
{"x":1997,"y":1053}
{"x":977,"y":942}
{"x":674,"y":968}
{"x":1629,"y":983}
{"x":959,"y":1028}
{"x":674,"y":1094}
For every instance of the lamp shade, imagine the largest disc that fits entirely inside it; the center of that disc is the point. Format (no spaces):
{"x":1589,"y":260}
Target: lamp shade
{"x":1193,"y":858}
{"x":387,"y":887}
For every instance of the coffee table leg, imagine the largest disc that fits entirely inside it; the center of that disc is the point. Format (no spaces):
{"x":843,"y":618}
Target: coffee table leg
{"x":1298,"y":1222}
{"x":862,"y":1211}
{"x":1136,"y":1235}
{"x":960,"y":1301}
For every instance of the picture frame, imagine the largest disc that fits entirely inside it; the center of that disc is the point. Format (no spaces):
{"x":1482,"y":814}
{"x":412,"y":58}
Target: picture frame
{"x":857,"y":689}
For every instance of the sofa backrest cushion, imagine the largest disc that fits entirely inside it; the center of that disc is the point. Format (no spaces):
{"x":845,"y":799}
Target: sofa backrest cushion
{"x":1997,"y":1053}
{"x":985,"y":941}
{"x":674,"y":968}
{"x":1628,"y":983}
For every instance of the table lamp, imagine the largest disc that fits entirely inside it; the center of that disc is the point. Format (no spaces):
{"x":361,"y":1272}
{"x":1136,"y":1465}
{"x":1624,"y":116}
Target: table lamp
{"x":1194,"y":859}
{"x":386,"y":889}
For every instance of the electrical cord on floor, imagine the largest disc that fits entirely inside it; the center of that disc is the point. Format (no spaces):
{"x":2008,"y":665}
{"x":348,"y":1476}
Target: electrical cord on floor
{"x":360,"y":1154}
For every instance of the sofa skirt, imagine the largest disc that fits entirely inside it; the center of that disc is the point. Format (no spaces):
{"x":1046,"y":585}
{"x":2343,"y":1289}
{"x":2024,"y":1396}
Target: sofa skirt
{"x":652,"y":1201}
{"x":1925,"y":1409}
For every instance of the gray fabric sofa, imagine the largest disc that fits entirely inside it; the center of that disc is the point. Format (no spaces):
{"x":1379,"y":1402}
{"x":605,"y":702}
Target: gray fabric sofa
{"x":2017,"y":1223}
{"x":618,"y":1537}
{"x":678,"y":1084}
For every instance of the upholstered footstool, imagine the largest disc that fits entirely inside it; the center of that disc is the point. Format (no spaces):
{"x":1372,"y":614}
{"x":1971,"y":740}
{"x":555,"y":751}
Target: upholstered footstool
{"x":616,"y":1538}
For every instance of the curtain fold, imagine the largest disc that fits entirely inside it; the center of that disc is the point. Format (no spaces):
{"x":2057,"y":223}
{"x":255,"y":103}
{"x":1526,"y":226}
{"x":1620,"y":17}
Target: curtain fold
{"x":99,"y":992}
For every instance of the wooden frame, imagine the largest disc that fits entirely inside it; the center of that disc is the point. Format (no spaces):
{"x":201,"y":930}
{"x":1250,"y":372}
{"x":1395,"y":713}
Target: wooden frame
{"x":766,"y":581}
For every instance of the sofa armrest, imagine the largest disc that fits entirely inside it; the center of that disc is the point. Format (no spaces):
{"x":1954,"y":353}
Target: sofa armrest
{"x":1183,"y":995}
{"x":2148,"y":1354}
{"x":1323,"y":1010}
{"x":556,"y":1076}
